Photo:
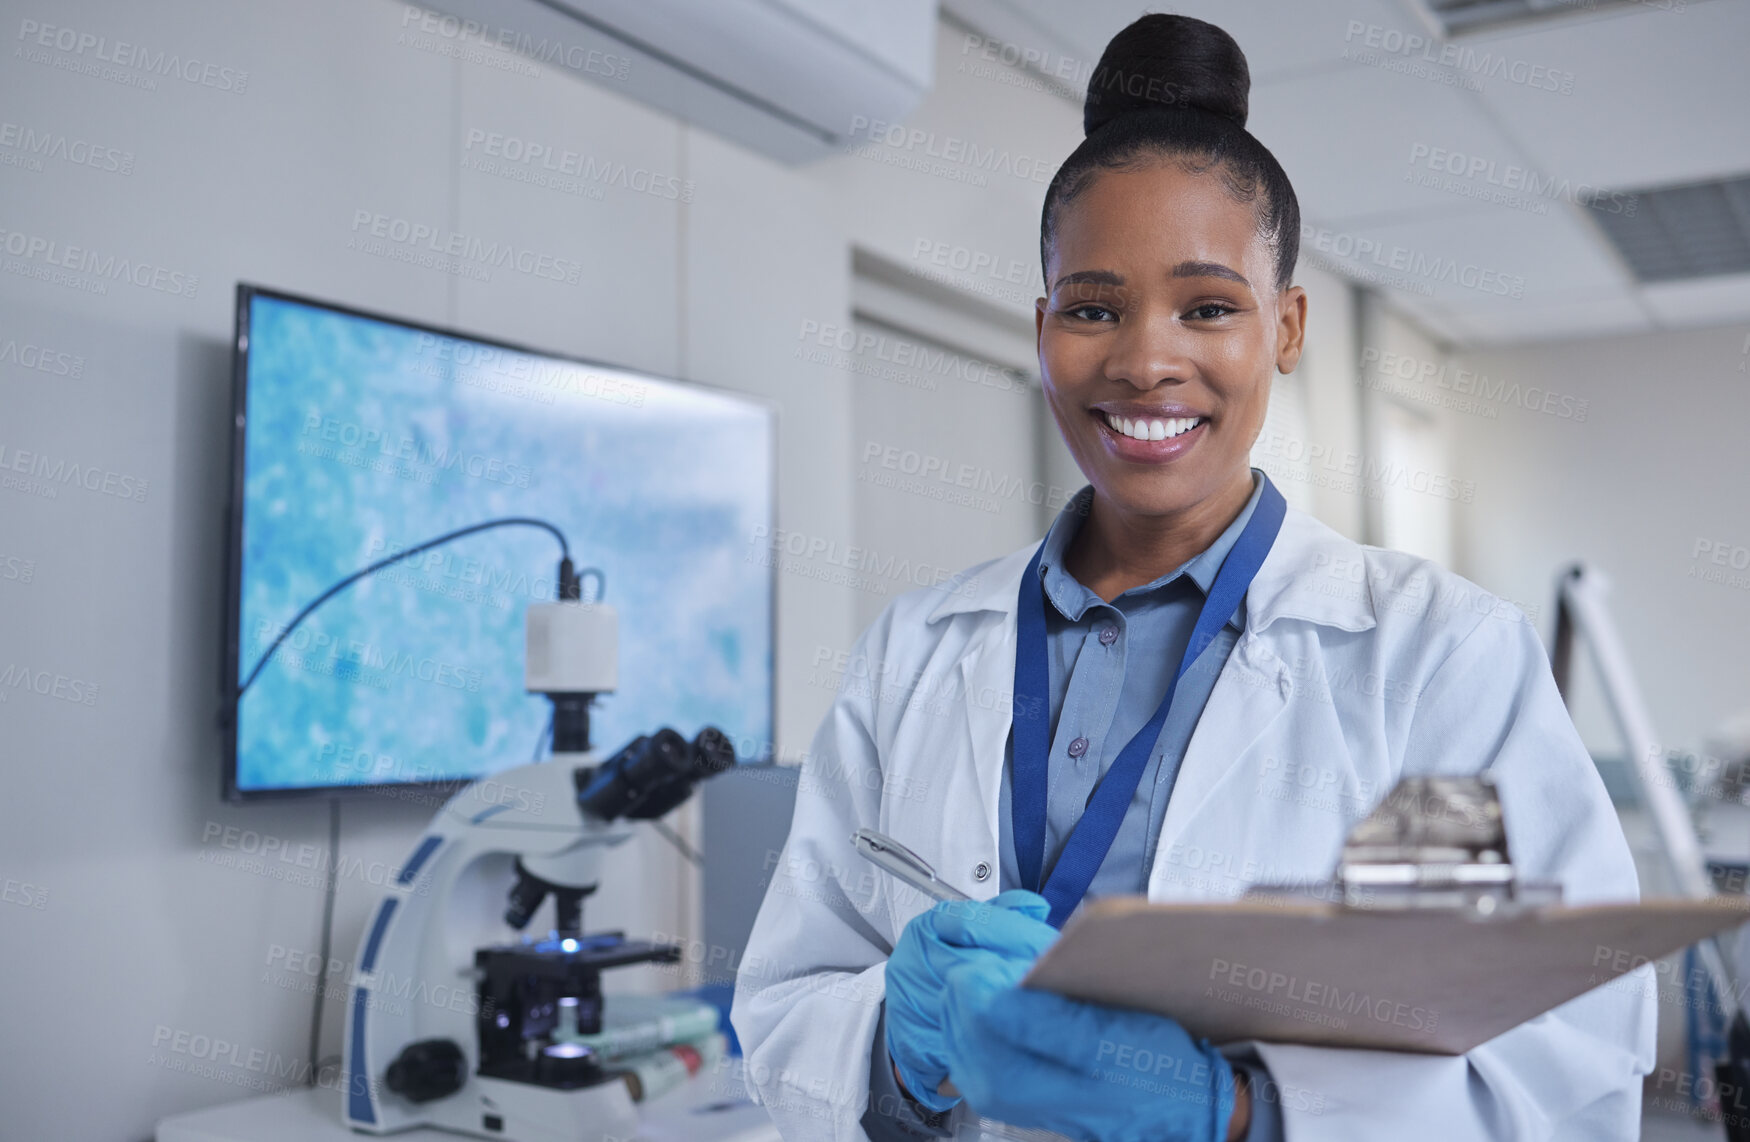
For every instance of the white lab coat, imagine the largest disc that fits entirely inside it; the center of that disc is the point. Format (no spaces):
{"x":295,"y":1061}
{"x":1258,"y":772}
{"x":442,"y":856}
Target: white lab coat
{"x":1357,"y":666}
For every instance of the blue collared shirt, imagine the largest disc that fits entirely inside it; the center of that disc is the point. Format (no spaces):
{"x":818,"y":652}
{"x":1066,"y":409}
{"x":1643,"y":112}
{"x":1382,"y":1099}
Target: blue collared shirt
{"x":1109,"y":665}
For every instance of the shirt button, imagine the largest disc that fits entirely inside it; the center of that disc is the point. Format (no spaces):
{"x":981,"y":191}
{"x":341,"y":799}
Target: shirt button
{"x":1108,"y":635}
{"x":1078,"y":747}
{"x":981,"y":871}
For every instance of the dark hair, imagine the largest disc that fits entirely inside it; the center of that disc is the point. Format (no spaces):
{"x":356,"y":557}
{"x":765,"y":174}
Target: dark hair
{"x":1173,"y":87}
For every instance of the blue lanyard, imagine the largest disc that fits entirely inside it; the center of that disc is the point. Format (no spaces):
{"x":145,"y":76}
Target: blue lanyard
{"x":1094,"y":833}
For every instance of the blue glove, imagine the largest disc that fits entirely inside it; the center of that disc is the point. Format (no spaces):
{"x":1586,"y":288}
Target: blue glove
{"x":1033,"y":1059}
{"x":1009,"y":930}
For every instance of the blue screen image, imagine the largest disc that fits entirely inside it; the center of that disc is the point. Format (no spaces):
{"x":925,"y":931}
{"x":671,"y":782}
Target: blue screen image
{"x":365,"y":437}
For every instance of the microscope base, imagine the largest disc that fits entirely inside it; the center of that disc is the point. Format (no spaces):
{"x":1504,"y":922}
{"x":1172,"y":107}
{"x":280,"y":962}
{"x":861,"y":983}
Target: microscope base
{"x":709,"y":1108}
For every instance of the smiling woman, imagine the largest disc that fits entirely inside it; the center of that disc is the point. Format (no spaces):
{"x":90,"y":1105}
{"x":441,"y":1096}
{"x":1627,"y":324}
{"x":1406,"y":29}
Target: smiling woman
{"x":1157,"y":364}
{"x":1155,"y":345}
{"x":1178,"y":641}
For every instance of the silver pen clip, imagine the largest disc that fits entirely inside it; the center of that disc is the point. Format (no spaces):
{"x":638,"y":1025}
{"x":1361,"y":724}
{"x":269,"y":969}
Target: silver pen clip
{"x":904,"y":864}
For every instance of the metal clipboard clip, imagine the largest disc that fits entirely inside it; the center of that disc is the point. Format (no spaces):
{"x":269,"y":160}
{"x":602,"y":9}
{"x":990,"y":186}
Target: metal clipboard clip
{"x":1434,"y":842}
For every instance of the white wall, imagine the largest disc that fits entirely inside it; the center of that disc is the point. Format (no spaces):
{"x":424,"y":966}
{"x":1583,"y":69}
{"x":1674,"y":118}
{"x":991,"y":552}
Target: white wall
{"x":908,"y":200}
{"x":1311,"y":441}
{"x":111,"y":808}
{"x":944,"y":459}
{"x":1629,"y":453}
{"x":1411,"y":486}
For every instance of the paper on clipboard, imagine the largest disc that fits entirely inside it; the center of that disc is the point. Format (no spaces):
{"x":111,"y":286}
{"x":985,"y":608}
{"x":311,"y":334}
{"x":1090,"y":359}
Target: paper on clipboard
{"x":1296,"y":971}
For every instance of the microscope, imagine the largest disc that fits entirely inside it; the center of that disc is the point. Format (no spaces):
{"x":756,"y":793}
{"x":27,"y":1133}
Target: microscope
{"x":506,"y":1061}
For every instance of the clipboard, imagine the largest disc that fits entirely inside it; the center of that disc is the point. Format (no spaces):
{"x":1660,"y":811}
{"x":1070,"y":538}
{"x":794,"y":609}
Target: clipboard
{"x":1426,"y":981}
{"x":1425,"y":942}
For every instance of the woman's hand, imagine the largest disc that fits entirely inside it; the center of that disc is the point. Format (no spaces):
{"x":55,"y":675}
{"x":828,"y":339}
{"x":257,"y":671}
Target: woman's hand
{"x":1007,"y":932}
{"x":1034,"y":1059}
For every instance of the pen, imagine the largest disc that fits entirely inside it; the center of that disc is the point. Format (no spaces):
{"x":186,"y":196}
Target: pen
{"x":905,"y":864}
{"x":915,"y":871}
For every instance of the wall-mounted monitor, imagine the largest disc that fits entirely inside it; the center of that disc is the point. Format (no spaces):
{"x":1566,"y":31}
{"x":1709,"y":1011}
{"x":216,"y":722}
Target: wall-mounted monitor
{"x":358,"y":436}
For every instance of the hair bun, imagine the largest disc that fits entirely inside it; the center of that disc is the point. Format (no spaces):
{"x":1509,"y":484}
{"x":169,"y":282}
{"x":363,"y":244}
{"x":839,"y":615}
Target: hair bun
{"x":1164,"y":61}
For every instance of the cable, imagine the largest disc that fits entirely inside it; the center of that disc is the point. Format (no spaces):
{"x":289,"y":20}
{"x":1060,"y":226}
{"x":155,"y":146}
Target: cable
{"x":546,"y":736}
{"x":601,"y":581}
{"x":507,"y":521}
{"x":334,"y":803}
{"x":327,"y":934}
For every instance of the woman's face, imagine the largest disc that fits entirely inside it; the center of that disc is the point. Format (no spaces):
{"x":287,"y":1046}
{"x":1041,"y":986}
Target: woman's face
{"x":1163,"y":312}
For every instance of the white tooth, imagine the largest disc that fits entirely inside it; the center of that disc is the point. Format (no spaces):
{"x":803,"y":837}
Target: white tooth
{"x":1170,"y":427}
{"x":1129,"y":428}
{"x":1184,"y":425}
{"x":1157,"y":430}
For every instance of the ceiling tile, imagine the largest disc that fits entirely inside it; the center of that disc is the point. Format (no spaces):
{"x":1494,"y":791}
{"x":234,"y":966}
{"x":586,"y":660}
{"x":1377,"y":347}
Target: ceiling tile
{"x":1363,"y":142}
{"x":1277,"y":38}
{"x":1472,"y":169}
{"x":1701,"y":301}
{"x":1436,"y":319}
{"x":1503,"y":321}
{"x":1658,"y":96}
{"x":1477,"y":254}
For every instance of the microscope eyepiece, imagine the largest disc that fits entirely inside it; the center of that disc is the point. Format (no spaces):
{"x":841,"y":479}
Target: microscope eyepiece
{"x":713,"y":751}
{"x":652,"y":774}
